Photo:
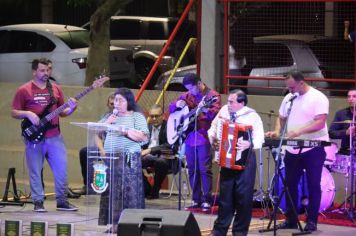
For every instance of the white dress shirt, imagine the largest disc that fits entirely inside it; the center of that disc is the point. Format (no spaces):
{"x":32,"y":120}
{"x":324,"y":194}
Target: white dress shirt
{"x":245,"y":116}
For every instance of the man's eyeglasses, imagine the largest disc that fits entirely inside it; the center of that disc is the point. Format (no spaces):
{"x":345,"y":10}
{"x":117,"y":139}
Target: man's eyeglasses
{"x":155,"y":116}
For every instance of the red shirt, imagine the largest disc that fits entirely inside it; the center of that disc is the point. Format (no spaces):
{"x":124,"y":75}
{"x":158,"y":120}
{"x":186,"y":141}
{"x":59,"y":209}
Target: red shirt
{"x":29,"y":97}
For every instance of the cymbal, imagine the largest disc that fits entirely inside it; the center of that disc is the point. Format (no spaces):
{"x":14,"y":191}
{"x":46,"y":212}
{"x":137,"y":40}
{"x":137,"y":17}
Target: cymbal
{"x":344,"y":122}
{"x":268,"y":113}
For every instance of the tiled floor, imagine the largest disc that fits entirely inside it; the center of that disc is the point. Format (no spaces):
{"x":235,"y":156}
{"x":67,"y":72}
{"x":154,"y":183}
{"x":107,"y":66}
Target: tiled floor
{"x":85,"y":219}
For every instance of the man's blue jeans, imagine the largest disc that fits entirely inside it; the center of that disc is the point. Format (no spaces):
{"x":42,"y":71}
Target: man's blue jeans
{"x":57,"y":160}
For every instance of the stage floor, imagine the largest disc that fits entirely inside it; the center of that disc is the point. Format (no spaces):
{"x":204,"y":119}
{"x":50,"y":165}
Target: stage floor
{"x":86,"y":221}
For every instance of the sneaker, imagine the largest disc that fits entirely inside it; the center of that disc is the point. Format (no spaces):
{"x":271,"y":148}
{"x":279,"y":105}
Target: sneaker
{"x":310,"y":226}
{"x":66,"y":206}
{"x":38,"y":207}
{"x":193,"y":205}
{"x":205,"y":207}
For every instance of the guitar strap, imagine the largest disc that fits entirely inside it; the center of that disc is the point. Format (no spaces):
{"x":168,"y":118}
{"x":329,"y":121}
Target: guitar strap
{"x":53,"y":100}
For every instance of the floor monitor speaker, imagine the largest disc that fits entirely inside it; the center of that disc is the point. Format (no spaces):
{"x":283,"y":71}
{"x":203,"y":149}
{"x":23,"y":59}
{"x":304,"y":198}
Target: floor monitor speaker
{"x":152,"y":222}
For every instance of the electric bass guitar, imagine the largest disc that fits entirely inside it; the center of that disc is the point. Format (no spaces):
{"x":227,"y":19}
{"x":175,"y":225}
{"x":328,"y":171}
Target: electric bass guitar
{"x":178,"y":121}
{"x":35,"y":133}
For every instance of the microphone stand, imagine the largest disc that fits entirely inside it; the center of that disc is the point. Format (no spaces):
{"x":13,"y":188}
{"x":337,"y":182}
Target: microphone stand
{"x":180,"y":133}
{"x":180,"y":156}
{"x":276,"y":200}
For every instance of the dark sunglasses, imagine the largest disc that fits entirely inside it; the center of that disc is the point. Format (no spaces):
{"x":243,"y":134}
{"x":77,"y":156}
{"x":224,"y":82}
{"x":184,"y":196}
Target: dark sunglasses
{"x":155,"y":116}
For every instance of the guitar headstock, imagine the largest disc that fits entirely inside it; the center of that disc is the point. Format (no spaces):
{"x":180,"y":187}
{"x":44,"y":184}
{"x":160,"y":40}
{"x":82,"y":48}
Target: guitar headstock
{"x":211,"y":100}
{"x":100,"y":81}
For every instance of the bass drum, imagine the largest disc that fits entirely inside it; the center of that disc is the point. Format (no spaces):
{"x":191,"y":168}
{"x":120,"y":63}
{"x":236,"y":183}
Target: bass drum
{"x":327,"y":185}
{"x":330,"y":154}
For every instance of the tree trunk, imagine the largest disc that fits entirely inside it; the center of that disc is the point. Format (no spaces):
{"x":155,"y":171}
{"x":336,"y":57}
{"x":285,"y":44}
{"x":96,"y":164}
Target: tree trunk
{"x":99,"y":41}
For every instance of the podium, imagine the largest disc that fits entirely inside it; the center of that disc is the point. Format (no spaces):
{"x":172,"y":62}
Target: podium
{"x":101,"y":200}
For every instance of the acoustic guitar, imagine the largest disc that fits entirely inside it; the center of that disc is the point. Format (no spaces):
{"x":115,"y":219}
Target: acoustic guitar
{"x":179,"y":120}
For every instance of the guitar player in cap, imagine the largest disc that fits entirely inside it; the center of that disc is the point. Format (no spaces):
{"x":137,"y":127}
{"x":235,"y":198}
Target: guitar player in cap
{"x":307,"y":121}
{"x":197,"y":146}
{"x":30,"y":102}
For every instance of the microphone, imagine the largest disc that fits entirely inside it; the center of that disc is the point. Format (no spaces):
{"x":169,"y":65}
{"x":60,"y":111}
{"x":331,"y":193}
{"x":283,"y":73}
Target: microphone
{"x":294,"y":96}
{"x":111,"y":118}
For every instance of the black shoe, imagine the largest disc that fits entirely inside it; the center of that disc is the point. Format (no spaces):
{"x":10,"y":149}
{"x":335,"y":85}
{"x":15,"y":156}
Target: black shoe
{"x":152,"y":196}
{"x":66,"y":206}
{"x":38,"y":207}
{"x":310,"y":226}
{"x":287,"y":225}
{"x":71,"y":194}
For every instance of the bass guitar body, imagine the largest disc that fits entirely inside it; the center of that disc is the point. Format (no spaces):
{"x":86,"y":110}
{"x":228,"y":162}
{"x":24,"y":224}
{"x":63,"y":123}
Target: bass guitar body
{"x":35,"y":133}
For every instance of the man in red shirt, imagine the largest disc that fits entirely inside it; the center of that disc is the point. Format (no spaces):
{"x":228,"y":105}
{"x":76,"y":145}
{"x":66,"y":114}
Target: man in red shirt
{"x":197,"y":146}
{"x":30,"y":101}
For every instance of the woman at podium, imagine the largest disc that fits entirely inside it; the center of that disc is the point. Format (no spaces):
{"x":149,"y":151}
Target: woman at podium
{"x":120,"y":148}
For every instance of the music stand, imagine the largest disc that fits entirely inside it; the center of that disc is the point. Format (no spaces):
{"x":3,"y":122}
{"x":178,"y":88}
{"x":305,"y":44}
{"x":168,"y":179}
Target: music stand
{"x":276,"y":200}
{"x":101,"y":181}
{"x":16,"y":198}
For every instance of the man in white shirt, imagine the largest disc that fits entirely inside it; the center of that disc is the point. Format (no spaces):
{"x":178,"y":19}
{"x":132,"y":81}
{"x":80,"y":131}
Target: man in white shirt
{"x":309,"y":109}
{"x":236,"y":186}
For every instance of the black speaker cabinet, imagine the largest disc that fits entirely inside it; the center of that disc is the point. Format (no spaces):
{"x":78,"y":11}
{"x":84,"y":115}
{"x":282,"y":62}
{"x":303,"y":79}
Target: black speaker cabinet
{"x":148,"y":222}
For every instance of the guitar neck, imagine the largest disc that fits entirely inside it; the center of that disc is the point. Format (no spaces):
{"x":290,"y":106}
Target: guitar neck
{"x":190,"y":113}
{"x":60,"y":109}
{"x":208,"y":102}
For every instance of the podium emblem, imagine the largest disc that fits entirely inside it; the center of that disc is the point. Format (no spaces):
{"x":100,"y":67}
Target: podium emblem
{"x":99,"y":184}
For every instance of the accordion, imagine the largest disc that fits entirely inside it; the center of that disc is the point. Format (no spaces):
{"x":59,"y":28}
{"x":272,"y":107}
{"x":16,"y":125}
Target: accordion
{"x":229,"y":134}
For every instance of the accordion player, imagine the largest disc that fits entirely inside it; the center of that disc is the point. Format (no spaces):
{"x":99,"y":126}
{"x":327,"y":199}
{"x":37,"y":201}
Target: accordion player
{"x":229,"y":134}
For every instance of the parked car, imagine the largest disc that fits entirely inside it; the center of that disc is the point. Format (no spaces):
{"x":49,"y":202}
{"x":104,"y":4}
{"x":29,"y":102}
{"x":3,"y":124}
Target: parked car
{"x":270,"y":56}
{"x":66,"y":46}
{"x":337,"y":61}
{"x":276,"y":55}
{"x":146,"y":36}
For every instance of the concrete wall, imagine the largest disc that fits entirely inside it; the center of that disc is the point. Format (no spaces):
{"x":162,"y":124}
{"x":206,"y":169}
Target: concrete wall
{"x":89,"y":109}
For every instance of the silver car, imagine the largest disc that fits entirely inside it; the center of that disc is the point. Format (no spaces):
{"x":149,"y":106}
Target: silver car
{"x":66,"y":46}
{"x":271,"y":56}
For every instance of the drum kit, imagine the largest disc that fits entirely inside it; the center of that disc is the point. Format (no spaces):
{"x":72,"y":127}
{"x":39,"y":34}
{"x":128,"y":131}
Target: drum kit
{"x":336,"y":162}
{"x":345,"y":163}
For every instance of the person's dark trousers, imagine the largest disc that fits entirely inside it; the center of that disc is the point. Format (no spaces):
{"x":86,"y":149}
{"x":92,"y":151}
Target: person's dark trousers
{"x":83,"y":158}
{"x":236,"y":199}
{"x":312,"y":161}
{"x":161,"y":167}
{"x":199,"y":163}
